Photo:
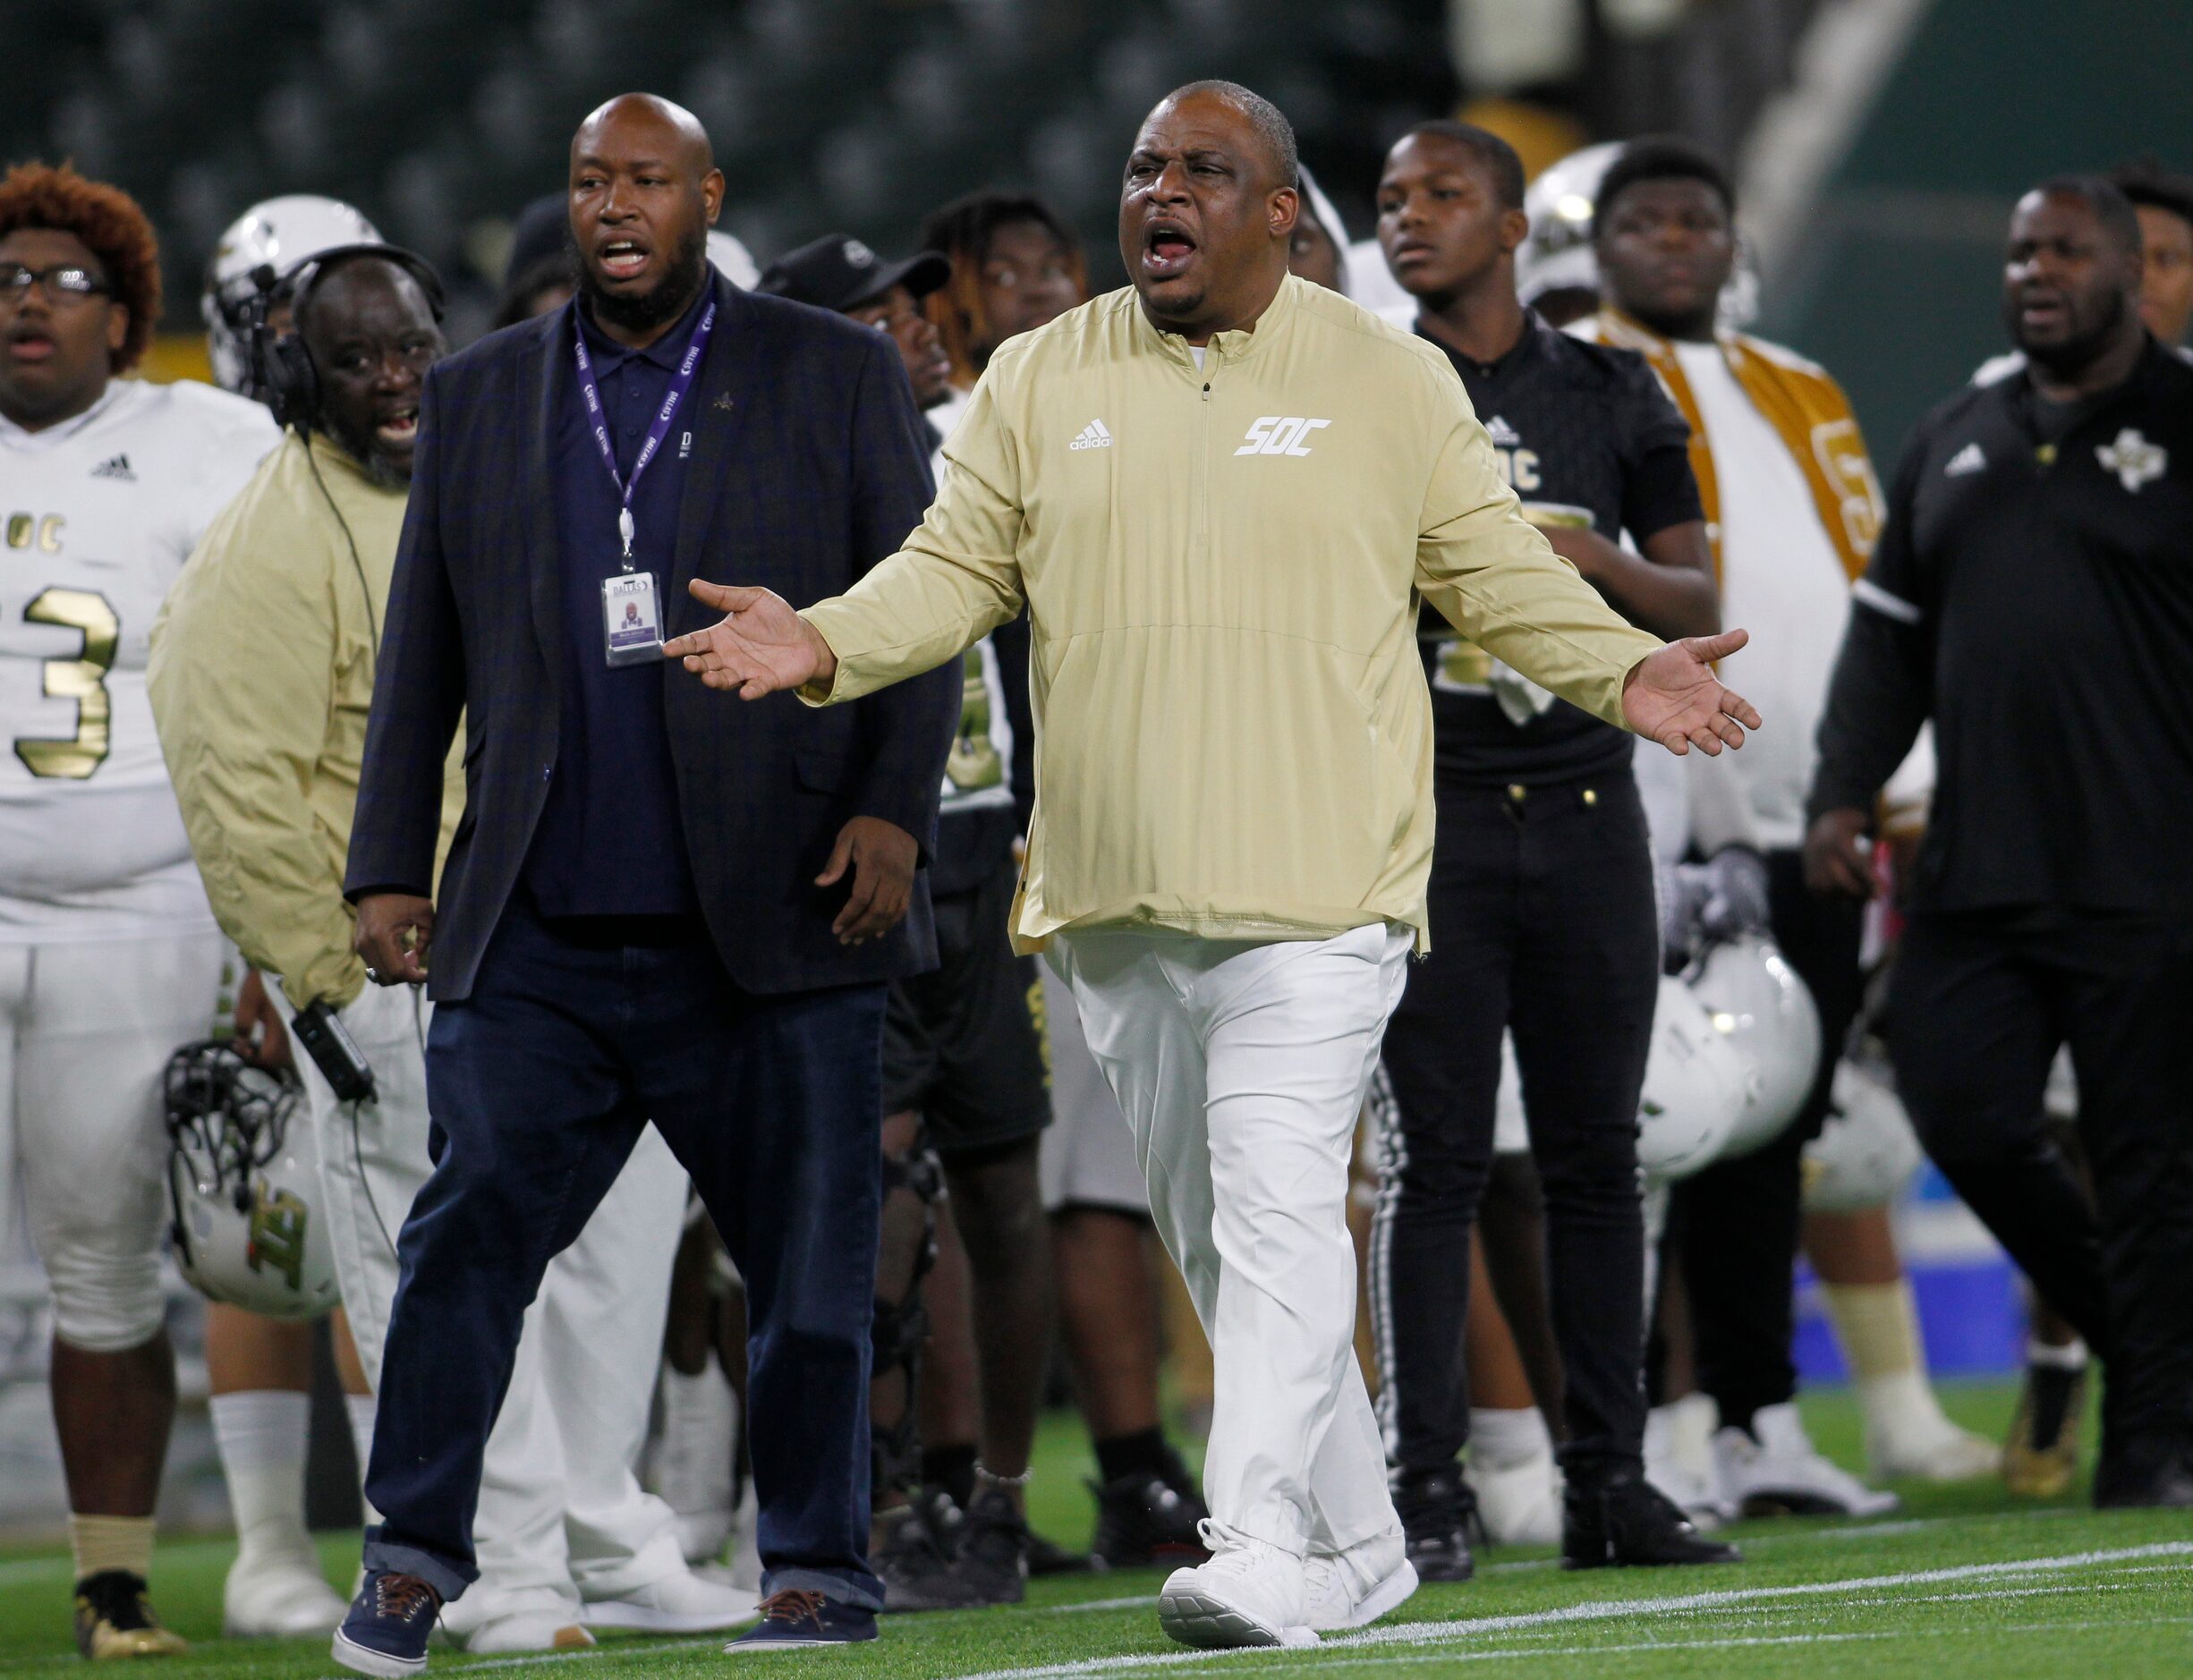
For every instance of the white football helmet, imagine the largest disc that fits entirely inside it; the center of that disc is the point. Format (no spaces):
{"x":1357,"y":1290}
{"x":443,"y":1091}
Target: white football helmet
{"x":733,"y":260}
{"x":1756,"y":1000}
{"x":1696,"y":1085}
{"x":276,"y":234}
{"x":243,"y":1182}
{"x":1866,"y":1152}
{"x":1557,"y":253}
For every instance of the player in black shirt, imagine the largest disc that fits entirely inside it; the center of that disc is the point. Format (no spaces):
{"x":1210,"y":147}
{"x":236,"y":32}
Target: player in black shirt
{"x":2033,"y":595}
{"x":1542,"y":918}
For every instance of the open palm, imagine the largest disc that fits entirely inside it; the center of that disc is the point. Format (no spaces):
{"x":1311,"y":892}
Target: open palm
{"x":1673,"y":697}
{"x":758,"y":646}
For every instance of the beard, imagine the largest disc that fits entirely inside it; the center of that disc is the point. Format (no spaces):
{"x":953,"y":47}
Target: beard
{"x":389,"y":471}
{"x":658,"y":307}
{"x":2088,"y":339}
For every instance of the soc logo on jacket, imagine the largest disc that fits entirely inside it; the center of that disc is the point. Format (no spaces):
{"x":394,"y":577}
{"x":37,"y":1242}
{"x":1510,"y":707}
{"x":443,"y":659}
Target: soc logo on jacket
{"x":1280,"y":435}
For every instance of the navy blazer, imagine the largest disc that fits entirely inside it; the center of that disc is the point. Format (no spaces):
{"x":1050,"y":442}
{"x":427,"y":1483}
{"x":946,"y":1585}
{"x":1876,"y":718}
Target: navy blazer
{"x":810,"y":463}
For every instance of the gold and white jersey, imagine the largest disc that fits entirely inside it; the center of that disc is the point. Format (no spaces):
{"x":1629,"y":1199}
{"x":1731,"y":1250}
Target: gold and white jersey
{"x":97,"y":516}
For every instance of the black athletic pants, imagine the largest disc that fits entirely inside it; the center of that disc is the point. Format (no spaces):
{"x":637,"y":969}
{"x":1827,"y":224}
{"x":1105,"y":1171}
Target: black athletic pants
{"x":1737,"y":1224}
{"x":1543,"y":923}
{"x":1976,"y":1014}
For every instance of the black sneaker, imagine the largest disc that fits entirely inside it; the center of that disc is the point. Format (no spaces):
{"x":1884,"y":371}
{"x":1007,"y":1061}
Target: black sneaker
{"x":386,"y":1632}
{"x":1146,"y":1518}
{"x":916,"y":1571}
{"x":2152,"y":1471}
{"x":1437,"y":1511}
{"x":993,"y":1549}
{"x":1046,"y":1556}
{"x":796,"y":1617}
{"x":942,"y":1512}
{"x":113,"y":1618}
{"x":1623,"y":1521}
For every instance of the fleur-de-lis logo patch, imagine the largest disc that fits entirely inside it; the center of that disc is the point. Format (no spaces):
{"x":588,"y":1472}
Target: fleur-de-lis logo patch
{"x":2133,"y":459}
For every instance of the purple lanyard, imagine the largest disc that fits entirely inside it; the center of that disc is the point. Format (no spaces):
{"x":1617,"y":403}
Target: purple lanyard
{"x":680,"y":383}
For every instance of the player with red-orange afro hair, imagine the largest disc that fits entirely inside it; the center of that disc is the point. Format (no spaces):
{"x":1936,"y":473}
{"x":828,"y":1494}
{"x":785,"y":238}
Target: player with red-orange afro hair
{"x":113,"y":228}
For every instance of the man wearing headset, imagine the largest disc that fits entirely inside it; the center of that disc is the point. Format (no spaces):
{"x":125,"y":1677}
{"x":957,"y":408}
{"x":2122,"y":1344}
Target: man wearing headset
{"x":262,"y":672}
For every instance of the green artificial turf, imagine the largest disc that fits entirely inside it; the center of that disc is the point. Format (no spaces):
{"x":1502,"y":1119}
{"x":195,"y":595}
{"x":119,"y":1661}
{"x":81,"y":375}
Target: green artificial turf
{"x":1961,"y":1583}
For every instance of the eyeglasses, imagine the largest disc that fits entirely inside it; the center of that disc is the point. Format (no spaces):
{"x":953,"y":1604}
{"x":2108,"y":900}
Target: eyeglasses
{"x":65,"y":284}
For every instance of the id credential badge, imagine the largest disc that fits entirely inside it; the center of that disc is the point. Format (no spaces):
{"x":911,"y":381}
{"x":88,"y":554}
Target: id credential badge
{"x":631,"y":611}
{"x":631,"y":625}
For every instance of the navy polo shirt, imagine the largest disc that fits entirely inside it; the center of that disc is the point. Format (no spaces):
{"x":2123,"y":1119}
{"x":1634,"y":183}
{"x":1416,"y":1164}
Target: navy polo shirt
{"x":611,"y":841}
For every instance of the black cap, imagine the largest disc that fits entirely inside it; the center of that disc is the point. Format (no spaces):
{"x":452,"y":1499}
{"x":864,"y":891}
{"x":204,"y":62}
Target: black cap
{"x":837,"y":272}
{"x":538,"y":236}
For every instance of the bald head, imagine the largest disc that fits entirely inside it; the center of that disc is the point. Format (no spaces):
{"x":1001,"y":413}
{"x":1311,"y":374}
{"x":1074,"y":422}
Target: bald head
{"x":674,"y":134}
{"x":644,"y":191}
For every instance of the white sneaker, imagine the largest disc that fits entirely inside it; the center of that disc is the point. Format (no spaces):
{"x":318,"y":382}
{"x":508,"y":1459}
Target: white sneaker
{"x":527,"y":1631}
{"x":1776,"y":1468}
{"x":278,"y":1598}
{"x":1250,"y":1593}
{"x":680,"y":1603}
{"x":1908,"y":1434}
{"x":1519,"y":1503}
{"x":1354,"y":1588}
{"x":1946,"y":1454}
{"x":1678,"y":1459}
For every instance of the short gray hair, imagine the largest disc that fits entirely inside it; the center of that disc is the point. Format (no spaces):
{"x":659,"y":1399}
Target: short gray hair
{"x":1269,"y":121}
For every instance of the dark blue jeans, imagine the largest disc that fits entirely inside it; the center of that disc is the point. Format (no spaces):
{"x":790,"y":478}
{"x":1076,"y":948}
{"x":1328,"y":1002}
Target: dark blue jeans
{"x":539,"y":1083}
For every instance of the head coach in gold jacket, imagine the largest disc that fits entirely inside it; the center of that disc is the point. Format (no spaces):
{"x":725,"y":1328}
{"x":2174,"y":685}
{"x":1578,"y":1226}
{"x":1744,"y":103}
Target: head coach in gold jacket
{"x":1219,"y":494}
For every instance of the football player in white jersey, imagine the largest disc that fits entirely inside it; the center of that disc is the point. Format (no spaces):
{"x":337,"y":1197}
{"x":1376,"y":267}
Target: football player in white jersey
{"x":108,"y":954}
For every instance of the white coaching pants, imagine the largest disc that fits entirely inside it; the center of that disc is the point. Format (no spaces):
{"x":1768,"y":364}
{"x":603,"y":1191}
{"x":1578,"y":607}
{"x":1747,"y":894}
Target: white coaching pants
{"x":1242,"y":1069}
{"x":560,"y":1508}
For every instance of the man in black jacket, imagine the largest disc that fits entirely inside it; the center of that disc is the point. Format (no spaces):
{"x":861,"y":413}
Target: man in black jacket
{"x":2032,"y":595}
{"x":654,"y":909}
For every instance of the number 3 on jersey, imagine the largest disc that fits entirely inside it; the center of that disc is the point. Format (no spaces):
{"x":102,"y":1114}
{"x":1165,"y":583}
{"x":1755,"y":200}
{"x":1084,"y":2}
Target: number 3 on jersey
{"x":81,"y":678}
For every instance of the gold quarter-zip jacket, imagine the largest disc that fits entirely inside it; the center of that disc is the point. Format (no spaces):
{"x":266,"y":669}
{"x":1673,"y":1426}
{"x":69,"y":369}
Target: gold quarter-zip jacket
{"x":1221,"y":567}
{"x":262,"y":674}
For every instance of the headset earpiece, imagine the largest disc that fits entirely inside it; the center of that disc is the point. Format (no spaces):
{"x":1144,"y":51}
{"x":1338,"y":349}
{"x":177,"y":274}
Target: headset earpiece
{"x":293,"y":382}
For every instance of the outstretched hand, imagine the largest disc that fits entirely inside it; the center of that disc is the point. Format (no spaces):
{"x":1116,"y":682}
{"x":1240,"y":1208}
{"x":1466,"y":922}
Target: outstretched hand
{"x":1673,"y":697}
{"x":758,"y":646}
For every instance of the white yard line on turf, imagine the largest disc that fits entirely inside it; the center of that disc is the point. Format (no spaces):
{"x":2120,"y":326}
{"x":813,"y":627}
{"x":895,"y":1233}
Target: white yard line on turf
{"x":1454,"y":1631}
{"x":1915,"y":1524}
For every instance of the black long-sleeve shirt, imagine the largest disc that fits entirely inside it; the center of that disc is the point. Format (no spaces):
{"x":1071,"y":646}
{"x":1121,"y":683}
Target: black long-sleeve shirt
{"x":2033,"y":594}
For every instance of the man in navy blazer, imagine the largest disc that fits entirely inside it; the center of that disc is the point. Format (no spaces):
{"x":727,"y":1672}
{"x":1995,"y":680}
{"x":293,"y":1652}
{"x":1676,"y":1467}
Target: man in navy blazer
{"x":654,"y":909}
